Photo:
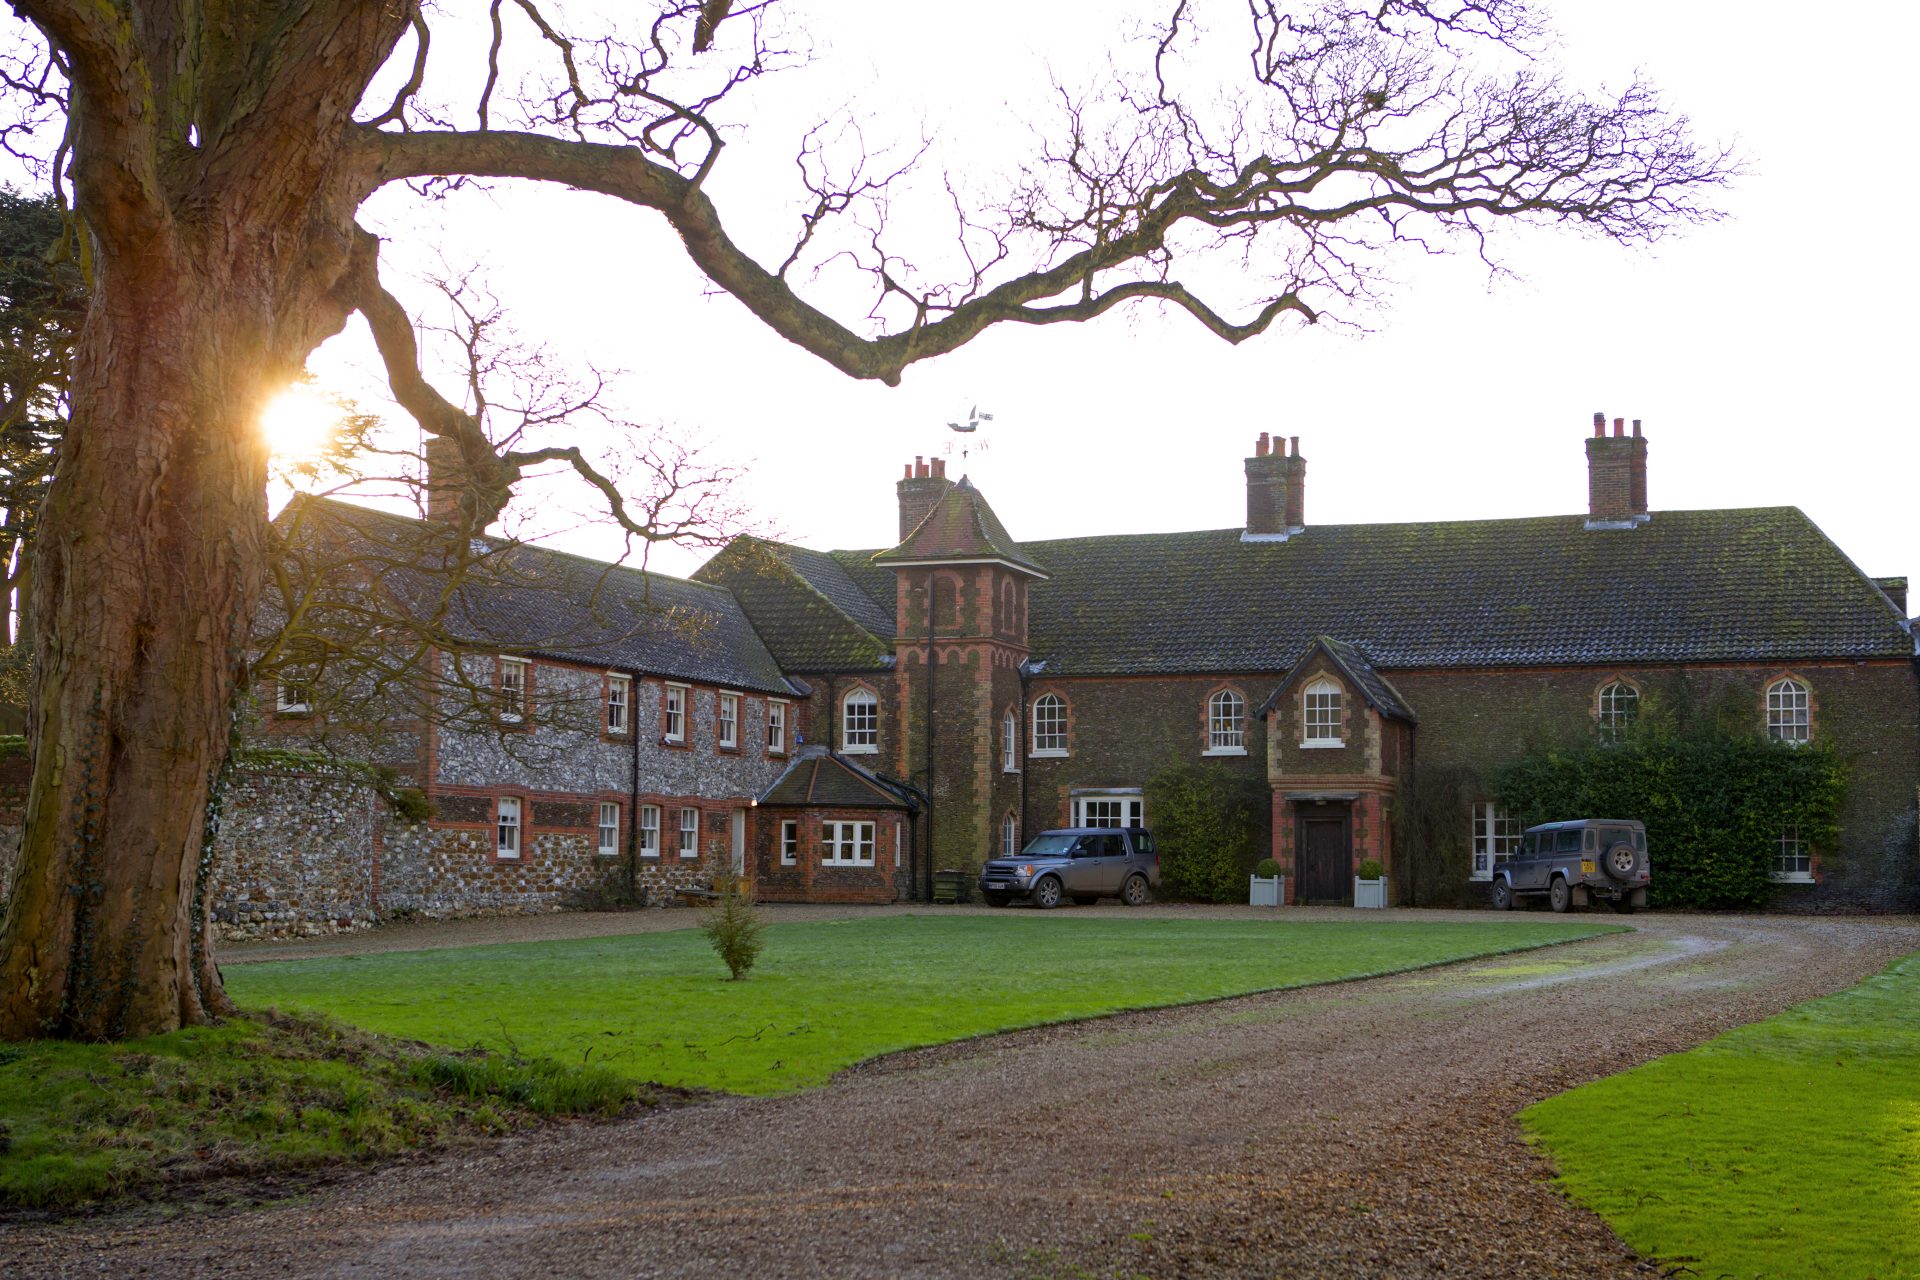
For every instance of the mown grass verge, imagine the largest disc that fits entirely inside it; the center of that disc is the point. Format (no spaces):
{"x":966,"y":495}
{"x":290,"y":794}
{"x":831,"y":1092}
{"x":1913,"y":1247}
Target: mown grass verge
{"x":82,"y":1124}
{"x":1787,"y":1148}
{"x":825,"y":995}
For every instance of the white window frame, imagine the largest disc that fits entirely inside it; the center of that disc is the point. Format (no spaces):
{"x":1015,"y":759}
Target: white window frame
{"x":1009,"y":836}
{"x":776,"y":726}
{"x":513,"y":689}
{"x":288,"y":683}
{"x":846,"y":844}
{"x":508,"y":828}
{"x":673,"y":715}
{"x":1109,"y":809}
{"x":1049,"y":742}
{"x":1010,"y":743}
{"x":689,"y":834}
{"x":649,"y":830}
{"x":1789,"y":851}
{"x":729,"y":715}
{"x":619,"y":704}
{"x":609,"y":829}
{"x":1496,"y":837}
{"x":789,"y":842}
{"x":1616,"y":707}
{"x":1322,"y":714}
{"x":865,"y":739}
{"x":1226,"y":724}
{"x":1790,"y":711}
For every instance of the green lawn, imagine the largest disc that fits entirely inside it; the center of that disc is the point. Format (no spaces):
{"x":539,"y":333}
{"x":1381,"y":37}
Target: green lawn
{"x":826,"y":995}
{"x":1787,"y":1148}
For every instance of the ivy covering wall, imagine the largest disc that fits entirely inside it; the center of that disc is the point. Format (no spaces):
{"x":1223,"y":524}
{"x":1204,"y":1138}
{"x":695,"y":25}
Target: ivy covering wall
{"x":1209,"y":828}
{"x":1715,"y":804}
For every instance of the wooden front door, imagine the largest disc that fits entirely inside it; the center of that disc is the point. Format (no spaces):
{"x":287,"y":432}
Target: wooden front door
{"x":1326,"y":856}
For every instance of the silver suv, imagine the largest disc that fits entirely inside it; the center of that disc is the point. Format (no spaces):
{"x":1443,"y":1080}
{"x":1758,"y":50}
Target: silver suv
{"x":1081,"y":863}
{"x":1572,"y":863}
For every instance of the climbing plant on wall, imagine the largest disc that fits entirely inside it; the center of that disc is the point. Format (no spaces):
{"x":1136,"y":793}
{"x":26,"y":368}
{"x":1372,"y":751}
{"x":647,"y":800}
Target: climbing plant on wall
{"x":1207,"y":827}
{"x":1715,"y":804}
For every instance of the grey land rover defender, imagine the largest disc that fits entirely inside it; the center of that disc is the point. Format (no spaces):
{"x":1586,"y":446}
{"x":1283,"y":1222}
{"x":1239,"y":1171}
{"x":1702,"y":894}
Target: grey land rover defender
{"x":1573,"y":863}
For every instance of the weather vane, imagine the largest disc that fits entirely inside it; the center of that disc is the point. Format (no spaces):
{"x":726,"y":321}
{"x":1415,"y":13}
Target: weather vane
{"x":969,"y":442}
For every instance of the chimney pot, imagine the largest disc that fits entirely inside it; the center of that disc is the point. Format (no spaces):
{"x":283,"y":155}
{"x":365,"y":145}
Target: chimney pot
{"x":1296,"y":445}
{"x":1260,"y":446}
{"x":1619,"y":426}
{"x":939,"y":468}
{"x":909,"y":474}
{"x":1636,"y":428}
{"x":1599,"y":424}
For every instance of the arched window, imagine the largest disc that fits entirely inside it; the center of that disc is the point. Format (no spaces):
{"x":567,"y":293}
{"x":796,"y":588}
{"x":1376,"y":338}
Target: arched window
{"x":1789,"y":711}
{"x":860,"y":723}
{"x":1010,"y":743}
{"x":1049,"y":725}
{"x":1227,"y":722}
{"x":1009,"y":837}
{"x":1618,"y":707}
{"x":1320,"y":714}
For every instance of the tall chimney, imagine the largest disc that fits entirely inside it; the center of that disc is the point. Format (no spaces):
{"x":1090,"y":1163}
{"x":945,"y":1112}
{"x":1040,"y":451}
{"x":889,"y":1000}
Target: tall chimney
{"x":919,"y":490}
{"x":1276,"y":489}
{"x":446,"y":477}
{"x":1616,"y":475}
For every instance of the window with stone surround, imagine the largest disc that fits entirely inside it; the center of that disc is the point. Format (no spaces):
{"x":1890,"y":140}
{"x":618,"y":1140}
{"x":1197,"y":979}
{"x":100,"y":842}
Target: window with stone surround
{"x":1321,"y":715}
{"x":729,"y":721}
{"x":649,"y":830}
{"x":1010,"y":743}
{"x":1792,"y":858}
{"x":673,"y":715}
{"x":1617,"y":706}
{"x":776,"y":727}
{"x":609,"y":829}
{"x":689,"y":833}
{"x":860,"y":723}
{"x":1226,"y":724}
{"x":789,"y":843}
{"x":1049,"y":725}
{"x":513,"y":690}
{"x":1496,"y":837}
{"x":619,"y":704}
{"x":506,"y":843}
{"x":1789,"y":711}
{"x":846,"y":844}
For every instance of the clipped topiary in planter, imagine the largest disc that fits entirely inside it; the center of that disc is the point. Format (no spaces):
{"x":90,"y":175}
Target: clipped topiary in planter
{"x":1370,"y":886}
{"x":1266,"y":887}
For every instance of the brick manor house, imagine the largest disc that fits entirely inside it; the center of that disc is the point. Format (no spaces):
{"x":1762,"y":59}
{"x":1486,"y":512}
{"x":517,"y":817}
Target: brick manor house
{"x":776,"y":713}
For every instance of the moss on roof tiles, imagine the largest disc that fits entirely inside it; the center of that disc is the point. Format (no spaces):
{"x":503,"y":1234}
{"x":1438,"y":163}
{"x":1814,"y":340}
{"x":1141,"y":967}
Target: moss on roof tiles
{"x":808,"y":610}
{"x":960,"y":526}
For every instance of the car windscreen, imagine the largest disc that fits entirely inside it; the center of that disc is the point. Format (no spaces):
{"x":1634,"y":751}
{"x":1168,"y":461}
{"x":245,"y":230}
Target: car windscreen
{"x":1050,"y":845}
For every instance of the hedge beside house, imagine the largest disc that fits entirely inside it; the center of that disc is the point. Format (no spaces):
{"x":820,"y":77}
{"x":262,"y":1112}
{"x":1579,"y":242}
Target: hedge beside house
{"x":1207,"y":826}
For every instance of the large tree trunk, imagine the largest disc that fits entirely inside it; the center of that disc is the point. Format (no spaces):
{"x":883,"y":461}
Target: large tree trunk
{"x":144,"y":609}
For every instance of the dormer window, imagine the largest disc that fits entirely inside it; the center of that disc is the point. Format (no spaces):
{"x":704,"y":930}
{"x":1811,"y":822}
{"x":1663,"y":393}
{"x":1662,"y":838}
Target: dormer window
{"x":860,"y":723}
{"x":1321,"y":715}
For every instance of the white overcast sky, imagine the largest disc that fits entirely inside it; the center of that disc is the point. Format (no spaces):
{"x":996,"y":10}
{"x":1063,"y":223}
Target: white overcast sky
{"x":1769,"y":356}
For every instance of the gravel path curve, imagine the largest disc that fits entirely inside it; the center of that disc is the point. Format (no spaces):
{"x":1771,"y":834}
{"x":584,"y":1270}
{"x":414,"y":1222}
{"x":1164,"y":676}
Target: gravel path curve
{"x":1365,"y":1129}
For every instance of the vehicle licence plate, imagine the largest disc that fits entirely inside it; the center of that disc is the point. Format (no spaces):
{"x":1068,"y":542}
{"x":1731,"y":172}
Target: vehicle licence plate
{"x":1586,"y":868}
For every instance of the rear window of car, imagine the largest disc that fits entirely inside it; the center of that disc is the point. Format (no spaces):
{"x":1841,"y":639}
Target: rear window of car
{"x":1610,"y":836}
{"x":1142,"y":841}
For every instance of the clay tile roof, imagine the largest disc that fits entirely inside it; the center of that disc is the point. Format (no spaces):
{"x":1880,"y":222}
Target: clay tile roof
{"x":825,"y":780}
{"x":549,"y":603}
{"x":1359,"y":671}
{"x":961,"y":526}
{"x":806,"y":604}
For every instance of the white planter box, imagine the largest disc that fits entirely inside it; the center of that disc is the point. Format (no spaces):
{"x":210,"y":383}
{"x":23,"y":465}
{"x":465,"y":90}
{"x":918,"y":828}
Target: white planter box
{"x":1370,"y":893}
{"x":1266,"y":891}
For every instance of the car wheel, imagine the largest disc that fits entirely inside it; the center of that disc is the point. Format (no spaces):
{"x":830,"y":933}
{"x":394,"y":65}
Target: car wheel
{"x":1046,"y":894}
{"x":996,"y":899}
{"x":1619,"y":860}
{"x":1500,"y":896}
{"x":1085,"y":899}
{"x":1134,"y":891}
{"x":1560,"y":894}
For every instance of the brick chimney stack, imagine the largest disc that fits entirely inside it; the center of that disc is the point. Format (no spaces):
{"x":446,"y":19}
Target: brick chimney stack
{"x":446,"y":477}
{"x":1616,"y":475}
{"x":920,"y":488}
{"x":1276,"y":489}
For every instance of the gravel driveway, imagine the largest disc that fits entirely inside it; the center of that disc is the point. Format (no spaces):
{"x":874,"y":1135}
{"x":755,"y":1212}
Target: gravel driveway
{"x":1364,"y":1129}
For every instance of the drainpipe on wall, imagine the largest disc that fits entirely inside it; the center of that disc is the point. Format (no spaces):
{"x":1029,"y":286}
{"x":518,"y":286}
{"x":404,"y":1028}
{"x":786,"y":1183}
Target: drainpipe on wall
{"x":1020,"y":755}
{"x":930,"y":662}
{"x":1406,"y":777}
{"x":633,"y":785}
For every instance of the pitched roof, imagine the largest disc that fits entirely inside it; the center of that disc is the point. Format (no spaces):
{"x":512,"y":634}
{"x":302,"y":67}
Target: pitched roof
{"x":536,"y":600}
{"x":1353,"y":664}
{"x":1689,"y":586}
{"x":960,"y":526}
{"x":823,"y":779}
{"x":805,"y":605}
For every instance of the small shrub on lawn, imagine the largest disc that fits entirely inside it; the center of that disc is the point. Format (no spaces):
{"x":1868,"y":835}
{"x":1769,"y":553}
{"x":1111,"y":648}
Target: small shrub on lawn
{"x":733,"y":926}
